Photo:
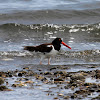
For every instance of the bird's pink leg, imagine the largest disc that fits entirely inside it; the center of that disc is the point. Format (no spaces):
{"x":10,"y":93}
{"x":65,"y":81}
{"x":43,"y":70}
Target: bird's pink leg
{"x":40,"y":62}
{"x":49,"y":61}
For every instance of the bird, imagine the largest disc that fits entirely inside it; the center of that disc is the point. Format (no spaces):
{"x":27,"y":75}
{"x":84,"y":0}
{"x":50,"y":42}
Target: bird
{"x":47,"y":50}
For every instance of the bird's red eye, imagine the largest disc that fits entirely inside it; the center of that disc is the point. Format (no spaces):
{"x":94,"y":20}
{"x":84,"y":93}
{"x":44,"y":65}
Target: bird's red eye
{"x":59,"y":39}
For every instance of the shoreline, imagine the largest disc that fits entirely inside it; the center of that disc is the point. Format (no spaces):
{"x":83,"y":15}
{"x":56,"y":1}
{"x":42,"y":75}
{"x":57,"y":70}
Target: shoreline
{"x":54,"y":82}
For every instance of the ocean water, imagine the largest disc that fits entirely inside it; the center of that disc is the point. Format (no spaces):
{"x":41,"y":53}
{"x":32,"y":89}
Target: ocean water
{"x":32,"y":22}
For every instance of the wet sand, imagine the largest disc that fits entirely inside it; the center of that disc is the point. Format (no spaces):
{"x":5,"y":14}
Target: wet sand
{"x":51,"y":82}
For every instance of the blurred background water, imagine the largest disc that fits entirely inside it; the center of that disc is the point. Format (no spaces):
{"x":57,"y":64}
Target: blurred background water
{"x":32,"y":22}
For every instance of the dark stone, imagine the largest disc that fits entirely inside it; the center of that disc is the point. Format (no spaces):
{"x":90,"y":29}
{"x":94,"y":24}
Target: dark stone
{"x":1,"y":80}
{"x":74,"y":84}
{"x":30,"y":73}
{"x":66,"y":97}
{"x":47,"y":73}
{"x":2,"y":74}
{"x":2,"y":88}
{"x":92,"y":90}
{"x":52,"y":68}
{"x":97,"y":74}
{"x":87,"y":84}
{"x":98,"y":90}
{"x":20,"y":74}
{"x":14,"y":85}
{"x":10,"y":75}
{"x":58,"y":79}
{"x":96,"y":98}
{"x":81,"y":92}
{"x":77,"y":77}
{"x":72,"y":97}
{"x":95,"y":86}
{"x":62,"y":73}
{"x":44,"y":79}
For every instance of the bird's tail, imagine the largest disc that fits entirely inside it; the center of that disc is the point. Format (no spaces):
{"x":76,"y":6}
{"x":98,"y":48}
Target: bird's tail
{"x":29,"y":48}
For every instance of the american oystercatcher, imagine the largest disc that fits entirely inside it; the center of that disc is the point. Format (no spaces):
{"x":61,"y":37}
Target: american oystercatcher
{"x":47,"y":50}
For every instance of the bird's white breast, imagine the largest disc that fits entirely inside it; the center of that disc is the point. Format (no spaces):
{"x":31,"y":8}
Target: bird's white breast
{"x":53,"y":52}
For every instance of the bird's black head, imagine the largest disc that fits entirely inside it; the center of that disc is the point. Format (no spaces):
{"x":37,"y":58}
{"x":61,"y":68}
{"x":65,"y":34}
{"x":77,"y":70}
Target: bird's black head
{"x":57,"y":44}
{"x":57,"y":41}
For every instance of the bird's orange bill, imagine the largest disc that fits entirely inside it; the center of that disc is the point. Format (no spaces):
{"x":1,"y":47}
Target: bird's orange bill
{"x":66,"y":45}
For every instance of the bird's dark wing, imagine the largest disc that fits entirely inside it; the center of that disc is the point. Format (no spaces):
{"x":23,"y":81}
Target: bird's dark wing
{"x":40,"y":48}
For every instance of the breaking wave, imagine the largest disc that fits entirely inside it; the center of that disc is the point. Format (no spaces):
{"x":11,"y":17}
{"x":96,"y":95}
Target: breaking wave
{"x":72,"y":54}
{"x":52,"y":27}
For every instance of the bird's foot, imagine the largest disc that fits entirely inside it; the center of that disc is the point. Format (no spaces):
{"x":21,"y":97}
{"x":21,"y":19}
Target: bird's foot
{"x":40,"y":63}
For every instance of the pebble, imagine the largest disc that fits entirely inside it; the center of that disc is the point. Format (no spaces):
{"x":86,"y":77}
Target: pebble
{"x":60,"y":94}
{"x":19,"y":85}
{"x":56,"y":98}
{"x":48,"y":73}
{"x":96,"y":98}
{"x":29,"y":82}
{"x":20,"y":74}
{"x":97,"y":74}
{"x":77,"y":77}
{"x":4,"y":88}
{"x":66,"y":97}
{"x":1,"y":80}
{"x":57,"y":80}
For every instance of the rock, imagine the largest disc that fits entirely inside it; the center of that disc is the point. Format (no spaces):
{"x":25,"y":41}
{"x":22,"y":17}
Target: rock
{"x":9,"y":74}
{"x":57,"y":80}
{"x":62,"y":73}
{"x":98,"y":90}
{"x":66,"y":97}
{"x":26,"y":68}
{"x":97,"y":74}
{"x":92,"y":90}
{"x":97,"y":71}
{"x":52,"y":68}
{"x":94,"y":85}
{"x":88,"y":84}
{"x":81,"y":92}
{"x":73,"y":83}
{"x":44,"y":79}
{"x":96,"y":98}
{"x":30,"y":73}
{"x":20,"y":74}
{"x":1,"y":80}
{"x":66,"y":87}
{"x":29,"y":82}
{"x":48,"y":73}
{"x":2,"y":88}
{"x":60,"y":94}
{"x":19,"y":85}
{"x":73,"y":87}
{"x":2,"y":74}
{"x":56,"y":98}
{"x":73,"y":96}
{"x":39,"y":77}
{"x":77,"y":77}
{"x":14,"y":85}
